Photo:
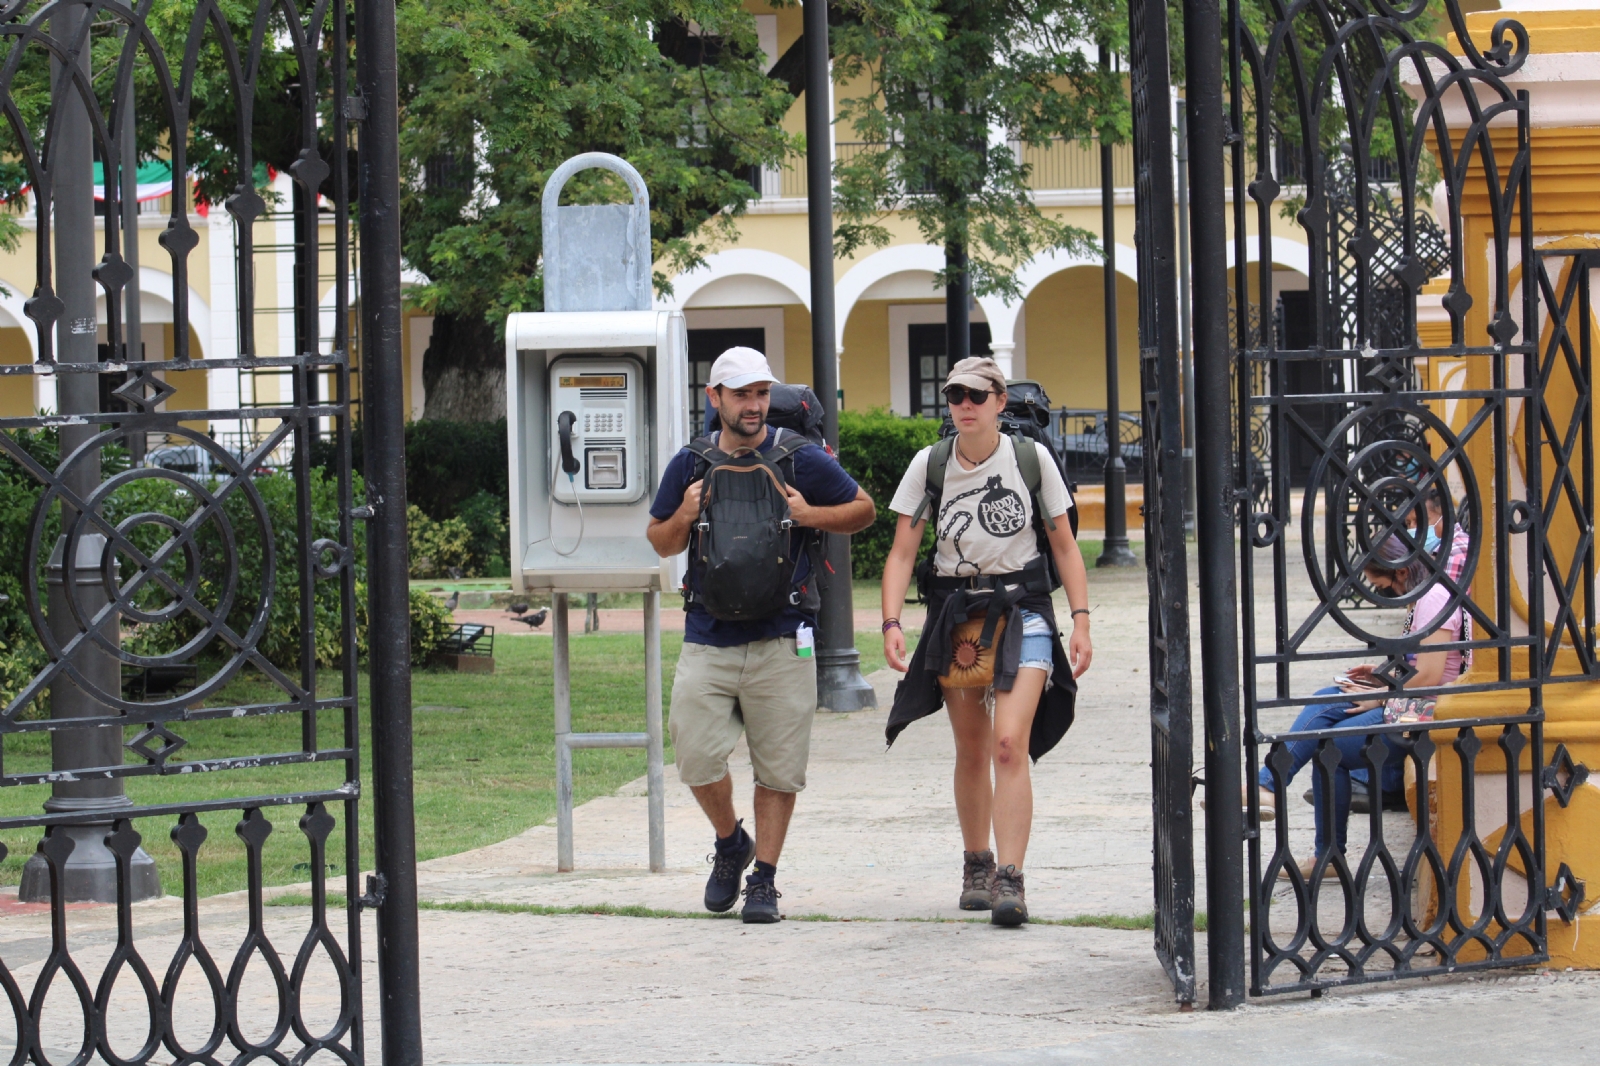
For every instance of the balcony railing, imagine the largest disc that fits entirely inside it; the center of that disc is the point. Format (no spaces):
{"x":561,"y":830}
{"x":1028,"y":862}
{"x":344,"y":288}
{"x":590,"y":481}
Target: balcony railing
{"x":1057,"y":166}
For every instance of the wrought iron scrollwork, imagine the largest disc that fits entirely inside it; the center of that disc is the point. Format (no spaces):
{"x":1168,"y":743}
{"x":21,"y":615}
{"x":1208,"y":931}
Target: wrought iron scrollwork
{"x":177,"y":596}
{"x":1374,"y":495}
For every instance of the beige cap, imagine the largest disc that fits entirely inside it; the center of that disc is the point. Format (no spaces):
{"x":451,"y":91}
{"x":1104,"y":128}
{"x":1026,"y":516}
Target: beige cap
{"x":978,"y":372}
{"x":738,"y":367}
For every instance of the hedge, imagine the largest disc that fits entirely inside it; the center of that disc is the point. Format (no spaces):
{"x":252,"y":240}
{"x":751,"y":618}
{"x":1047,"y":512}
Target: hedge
{"x":875,"y":448}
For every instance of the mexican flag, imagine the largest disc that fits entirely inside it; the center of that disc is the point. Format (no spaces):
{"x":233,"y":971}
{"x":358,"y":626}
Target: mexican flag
{"x":155,"y":179}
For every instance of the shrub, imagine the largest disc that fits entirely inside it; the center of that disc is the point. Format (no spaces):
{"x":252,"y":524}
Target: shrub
{"x":430,"y":624}
{"x":875,"y":447}
{"x":437,"y":546}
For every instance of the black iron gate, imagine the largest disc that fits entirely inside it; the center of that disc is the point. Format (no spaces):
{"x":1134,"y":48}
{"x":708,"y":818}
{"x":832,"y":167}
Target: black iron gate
{"x":1166,"y":562}
{"x":1455,"y":879}
{"x":194,"y":563}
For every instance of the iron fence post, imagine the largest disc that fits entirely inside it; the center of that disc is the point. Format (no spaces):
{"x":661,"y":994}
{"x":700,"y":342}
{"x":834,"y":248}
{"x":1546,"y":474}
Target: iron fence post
{"x":1185,"y":347}
{"x":389,"y":616}
{"x":1215,"y":506}
{"x":840,"y":686}
{"x":1115,"y":551}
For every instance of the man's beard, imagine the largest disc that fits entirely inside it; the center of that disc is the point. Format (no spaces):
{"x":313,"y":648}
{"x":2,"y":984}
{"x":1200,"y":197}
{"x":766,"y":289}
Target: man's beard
{"x":738,"y":430}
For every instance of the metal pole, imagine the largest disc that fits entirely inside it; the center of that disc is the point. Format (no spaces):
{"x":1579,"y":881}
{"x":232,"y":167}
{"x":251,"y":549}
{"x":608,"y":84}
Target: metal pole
{"x":1115,"y":551}
{"x":957,"y":303}
{"x":1214,"y":507}
{"x":840,"y":686}
{"x":1183,"y":320}
{"x":655,"y":778}
{"x":389,"y":612}
{"x":90,"y":873}
{"x":561,"y":666}
{"x":131,"y":316}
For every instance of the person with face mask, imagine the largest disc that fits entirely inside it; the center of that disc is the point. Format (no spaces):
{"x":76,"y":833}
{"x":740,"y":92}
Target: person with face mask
{"x":1396,"y":570}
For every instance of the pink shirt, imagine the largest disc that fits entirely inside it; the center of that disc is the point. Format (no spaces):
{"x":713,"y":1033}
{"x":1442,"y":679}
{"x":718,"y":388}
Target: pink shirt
{"x":1426,"y":612}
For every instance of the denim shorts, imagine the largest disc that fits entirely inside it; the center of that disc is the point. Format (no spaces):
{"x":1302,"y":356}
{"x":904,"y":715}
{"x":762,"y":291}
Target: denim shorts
{"x":1038,"y":650}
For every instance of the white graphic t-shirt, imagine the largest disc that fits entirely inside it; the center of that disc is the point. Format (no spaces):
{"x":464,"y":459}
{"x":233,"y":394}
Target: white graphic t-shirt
{"x":985,"y":519}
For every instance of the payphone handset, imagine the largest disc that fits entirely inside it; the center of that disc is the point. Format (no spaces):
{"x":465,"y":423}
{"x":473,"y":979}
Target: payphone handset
{"x":597,"y":425}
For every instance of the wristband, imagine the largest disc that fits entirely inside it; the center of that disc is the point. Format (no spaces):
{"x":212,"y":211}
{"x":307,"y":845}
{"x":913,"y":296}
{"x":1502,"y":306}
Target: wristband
{"x":893,"y":623}
{"x":1080,"y":610}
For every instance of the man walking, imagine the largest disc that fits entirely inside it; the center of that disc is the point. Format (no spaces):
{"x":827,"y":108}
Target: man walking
{"x":744,"y":665}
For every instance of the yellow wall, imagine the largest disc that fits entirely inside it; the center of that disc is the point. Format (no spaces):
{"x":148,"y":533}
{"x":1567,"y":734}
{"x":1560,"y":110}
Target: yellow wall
{"x":1066,"y":338}
{"x":864,"y":367}
{"x":16,"y":393}
{"x":797,"y":345}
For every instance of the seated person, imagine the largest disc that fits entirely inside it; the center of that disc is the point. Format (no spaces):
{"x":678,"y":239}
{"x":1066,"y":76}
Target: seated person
{"x":1402,"y":574}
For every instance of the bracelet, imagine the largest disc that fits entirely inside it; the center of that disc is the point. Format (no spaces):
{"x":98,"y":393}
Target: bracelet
{"x":893,"y":623}
{"x":1080,"y":610}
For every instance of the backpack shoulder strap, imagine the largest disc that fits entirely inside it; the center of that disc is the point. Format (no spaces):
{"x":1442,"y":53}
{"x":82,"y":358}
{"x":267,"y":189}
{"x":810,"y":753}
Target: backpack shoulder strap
{"x":1028,"y":464}
{"x":933,"y":483}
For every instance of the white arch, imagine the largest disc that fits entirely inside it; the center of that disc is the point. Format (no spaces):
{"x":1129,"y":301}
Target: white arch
{"x":1285,"y":253}
{"x":898,"y":259}
{"x":1003,"y":317}
{"x":11,"y":302}
{"x":733,"y":263}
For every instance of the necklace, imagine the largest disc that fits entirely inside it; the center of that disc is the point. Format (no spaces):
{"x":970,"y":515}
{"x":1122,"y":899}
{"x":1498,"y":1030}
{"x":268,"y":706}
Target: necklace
{"x":985,"y":459}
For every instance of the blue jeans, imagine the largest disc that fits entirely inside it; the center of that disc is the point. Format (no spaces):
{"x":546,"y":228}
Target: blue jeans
{"x":1335,"y":715}
{"x":1351,"y":759}
{"x":1315,"y":716}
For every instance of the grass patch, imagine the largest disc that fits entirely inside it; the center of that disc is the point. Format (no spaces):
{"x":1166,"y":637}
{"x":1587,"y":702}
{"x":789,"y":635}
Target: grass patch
{"x":482,"y":774}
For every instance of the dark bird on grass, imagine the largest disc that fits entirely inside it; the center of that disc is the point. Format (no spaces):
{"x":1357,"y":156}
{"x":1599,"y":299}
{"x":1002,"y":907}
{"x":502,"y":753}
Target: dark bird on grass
{"x":455,"y":598}
{"x":518,"y":608}
{"x":535,"y":619}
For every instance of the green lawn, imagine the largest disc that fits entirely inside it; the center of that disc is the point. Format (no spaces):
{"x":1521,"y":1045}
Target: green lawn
{"x":484,"y":760}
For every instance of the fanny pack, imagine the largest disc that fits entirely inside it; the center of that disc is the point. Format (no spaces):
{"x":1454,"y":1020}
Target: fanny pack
{"x":971,"y":662}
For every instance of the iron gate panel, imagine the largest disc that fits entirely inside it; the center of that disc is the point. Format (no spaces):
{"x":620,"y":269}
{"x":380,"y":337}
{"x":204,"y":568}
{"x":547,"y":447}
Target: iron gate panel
{"x":1438,"y":892}
{"x":1166,"y":562}
{"x":235,"y":577}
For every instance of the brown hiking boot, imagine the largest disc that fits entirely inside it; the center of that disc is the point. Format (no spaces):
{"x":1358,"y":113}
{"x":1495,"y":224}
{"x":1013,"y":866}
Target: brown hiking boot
{"x":977,"y":880}
{"x":1010,"y":905}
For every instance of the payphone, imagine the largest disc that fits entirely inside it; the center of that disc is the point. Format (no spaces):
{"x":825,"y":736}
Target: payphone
{"x":595,"y":408}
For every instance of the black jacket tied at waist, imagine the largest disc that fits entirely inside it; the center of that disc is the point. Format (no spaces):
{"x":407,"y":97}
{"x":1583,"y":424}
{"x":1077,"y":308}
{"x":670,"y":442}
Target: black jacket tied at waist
{"x":952,"y":601}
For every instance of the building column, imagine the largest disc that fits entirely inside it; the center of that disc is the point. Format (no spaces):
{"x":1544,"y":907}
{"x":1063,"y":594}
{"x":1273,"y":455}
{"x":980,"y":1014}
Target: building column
{"x":1002,"y":352}
{"x":223,"y":385}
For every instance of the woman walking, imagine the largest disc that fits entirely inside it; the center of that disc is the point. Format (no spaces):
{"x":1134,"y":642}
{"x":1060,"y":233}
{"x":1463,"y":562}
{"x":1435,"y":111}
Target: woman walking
{"x":991,"y":636}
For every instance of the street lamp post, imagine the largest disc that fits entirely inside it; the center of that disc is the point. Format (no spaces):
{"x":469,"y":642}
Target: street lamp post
{"x":840,"y":686}
{"x":1116,"y":551}
{"x":90,"y":872}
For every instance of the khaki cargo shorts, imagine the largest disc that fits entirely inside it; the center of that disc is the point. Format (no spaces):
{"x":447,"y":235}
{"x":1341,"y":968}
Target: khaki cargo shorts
{"x":762,"y":688}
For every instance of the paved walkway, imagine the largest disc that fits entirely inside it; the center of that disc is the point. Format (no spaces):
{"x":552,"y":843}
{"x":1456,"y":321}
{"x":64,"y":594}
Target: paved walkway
{"x":895,"y":978}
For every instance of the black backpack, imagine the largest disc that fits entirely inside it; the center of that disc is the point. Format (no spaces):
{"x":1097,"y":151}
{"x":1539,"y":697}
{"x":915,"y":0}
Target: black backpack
{"x":1025,"y":420}
{"x":742,"y":548}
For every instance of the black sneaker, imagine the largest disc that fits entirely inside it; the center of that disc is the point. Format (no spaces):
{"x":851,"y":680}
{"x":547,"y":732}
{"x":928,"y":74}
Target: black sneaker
{"x":727,"y":863}
{"x":761,"y":897}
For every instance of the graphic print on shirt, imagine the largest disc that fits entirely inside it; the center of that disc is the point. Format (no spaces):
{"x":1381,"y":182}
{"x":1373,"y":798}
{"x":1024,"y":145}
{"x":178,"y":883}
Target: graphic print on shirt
{"x":1000,"y":512}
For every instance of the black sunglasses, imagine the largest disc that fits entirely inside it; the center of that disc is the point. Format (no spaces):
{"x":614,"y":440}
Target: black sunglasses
{"x":960,"y":394}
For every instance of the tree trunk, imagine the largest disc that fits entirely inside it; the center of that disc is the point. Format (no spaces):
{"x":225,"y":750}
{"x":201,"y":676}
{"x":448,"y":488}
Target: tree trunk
{"x":464,"y":371}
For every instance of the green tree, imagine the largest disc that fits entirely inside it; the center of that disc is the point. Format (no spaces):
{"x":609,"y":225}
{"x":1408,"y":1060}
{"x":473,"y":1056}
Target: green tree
{"x":497,"y":94}
{"x":954,"y":86}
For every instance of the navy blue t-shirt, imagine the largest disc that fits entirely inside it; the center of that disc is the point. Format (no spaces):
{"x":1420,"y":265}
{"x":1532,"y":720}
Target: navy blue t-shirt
{"x":820,"y":479}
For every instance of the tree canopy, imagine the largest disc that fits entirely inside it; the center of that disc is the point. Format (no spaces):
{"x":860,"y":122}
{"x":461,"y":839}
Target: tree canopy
{"x":956,"y":87}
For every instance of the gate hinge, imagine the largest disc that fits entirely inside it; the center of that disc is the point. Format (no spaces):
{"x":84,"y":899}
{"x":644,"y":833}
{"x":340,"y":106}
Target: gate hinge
{"x":364,"y":513}
{"x":377,"y":888}
{"x":1566,"y":896}
{"x":355,"y":107}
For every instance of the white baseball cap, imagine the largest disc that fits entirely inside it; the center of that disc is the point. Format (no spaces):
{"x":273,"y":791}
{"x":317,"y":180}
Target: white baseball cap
{"x":738,"y":367}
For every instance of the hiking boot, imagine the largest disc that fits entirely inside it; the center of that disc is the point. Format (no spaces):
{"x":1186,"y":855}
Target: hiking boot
{"x":761,"y":897}
{"x":977,"y":880}
{"x":727,"y":863}
{"x":1010,"y":905}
